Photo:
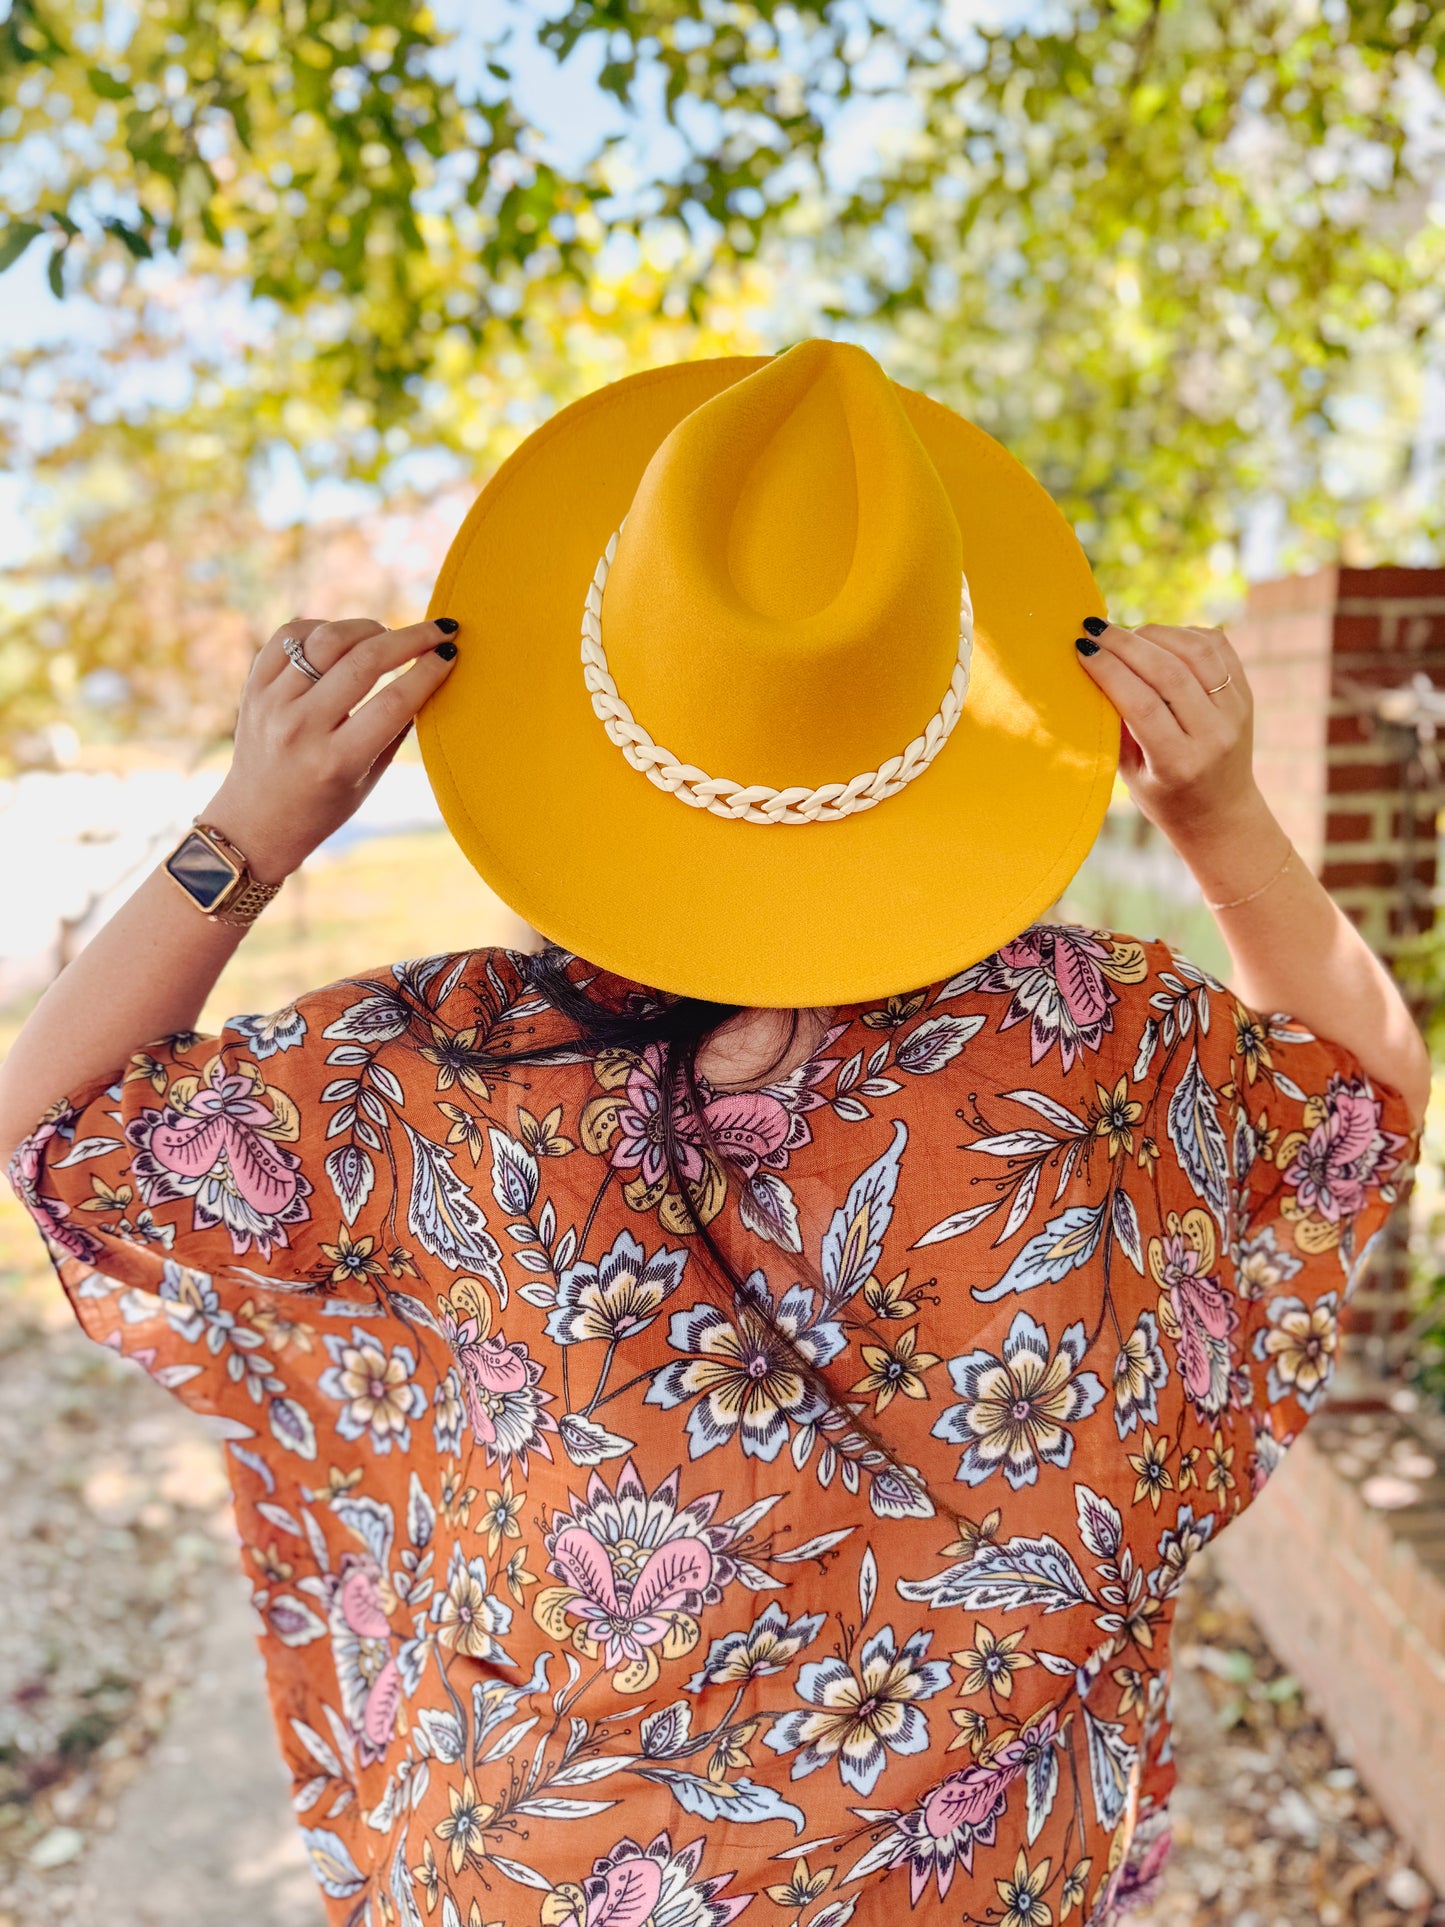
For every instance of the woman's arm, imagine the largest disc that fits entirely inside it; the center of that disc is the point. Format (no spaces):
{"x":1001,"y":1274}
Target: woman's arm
{"x":1188,"y":758}
{"x":303,"y":762}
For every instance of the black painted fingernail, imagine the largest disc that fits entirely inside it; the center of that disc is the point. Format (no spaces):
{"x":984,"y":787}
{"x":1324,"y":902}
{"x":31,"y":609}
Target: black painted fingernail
{"x":447,"y":625}
{"x":1085,"y":647}
{"x":1095,"y":625}
{"x":447,"y":651}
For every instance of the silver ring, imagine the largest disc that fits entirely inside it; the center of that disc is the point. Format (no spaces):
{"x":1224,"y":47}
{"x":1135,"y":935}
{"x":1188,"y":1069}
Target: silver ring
{"x":298,"y":659}
{"x":1219,"y":685}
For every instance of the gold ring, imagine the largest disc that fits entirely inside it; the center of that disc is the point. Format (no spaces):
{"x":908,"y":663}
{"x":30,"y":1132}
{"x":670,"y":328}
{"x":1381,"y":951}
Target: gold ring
{"x":1219,"y":685}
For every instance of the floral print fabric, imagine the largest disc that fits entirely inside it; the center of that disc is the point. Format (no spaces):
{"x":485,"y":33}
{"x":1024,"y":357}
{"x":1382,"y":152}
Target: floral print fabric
{"x":578,"y":1605}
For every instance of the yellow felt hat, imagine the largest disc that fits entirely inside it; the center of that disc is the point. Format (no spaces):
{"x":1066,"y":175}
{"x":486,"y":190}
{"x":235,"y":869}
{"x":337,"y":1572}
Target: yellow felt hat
{"x":812,"y":728}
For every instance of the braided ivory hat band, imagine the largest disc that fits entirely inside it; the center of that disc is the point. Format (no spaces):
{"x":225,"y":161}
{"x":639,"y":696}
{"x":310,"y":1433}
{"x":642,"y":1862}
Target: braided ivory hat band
{"x":756,"y":802}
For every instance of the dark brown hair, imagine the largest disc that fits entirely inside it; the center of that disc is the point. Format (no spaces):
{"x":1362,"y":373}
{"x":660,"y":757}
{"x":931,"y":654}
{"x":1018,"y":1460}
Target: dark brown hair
{"x":680,"y":1027}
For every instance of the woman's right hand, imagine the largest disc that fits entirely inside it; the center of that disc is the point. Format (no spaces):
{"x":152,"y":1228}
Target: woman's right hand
{"x":306,"y":755}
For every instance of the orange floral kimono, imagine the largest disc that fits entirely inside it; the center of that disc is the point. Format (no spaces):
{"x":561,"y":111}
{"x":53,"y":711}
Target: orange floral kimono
{"x":578,"y":1606}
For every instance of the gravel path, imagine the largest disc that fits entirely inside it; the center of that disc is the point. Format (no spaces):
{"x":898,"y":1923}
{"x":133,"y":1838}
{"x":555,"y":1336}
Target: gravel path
{"x":138,"y":1777}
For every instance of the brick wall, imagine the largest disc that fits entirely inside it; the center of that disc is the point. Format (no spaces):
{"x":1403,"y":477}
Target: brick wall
{"x":1342,"y":1558}
{"x":1351,"y":789}
{"x":1342,"y":1563}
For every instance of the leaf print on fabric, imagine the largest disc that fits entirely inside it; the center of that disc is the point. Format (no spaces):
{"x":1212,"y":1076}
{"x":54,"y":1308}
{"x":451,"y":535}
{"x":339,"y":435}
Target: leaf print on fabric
{"x":1024,"y":1574}
{"x":1112,"y":1764}
{"x":854,"y":1239}
{"x":931,"y":1045}
{"x":1198,"y":1136}
{"x":1017,"y":1409}
{"x":1065,"y":1243}
{"x":766,"y":1205}
{"x":353,"y":1177}
{"x":445,"y":1218}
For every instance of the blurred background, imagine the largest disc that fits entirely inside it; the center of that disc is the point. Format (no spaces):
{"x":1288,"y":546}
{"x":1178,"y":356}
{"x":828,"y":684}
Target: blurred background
{"x":281,"y":283}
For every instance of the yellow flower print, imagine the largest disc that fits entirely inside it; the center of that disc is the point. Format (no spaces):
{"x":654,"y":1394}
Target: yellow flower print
{"x":803,"y":1887}
{"x":1117,"y":1112}
{"x":896,"y":1369}
{"x":973,"y":1731}
{"x":427,"y":1876}
{"x":500,"y":1515}
{"x":1023,"y":1895}
{"x":1221,"y":1459}
{"x":351,"y":1260}
{"x":1155,"y":1478}
{"x":465,"y":1826}
{"x":544,"y":1139}
{"x":991,"y":1662}
{"x":457,"y":1060}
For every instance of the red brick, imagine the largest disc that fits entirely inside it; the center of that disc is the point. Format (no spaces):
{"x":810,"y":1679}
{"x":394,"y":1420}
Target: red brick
{"x":1356,"y":826}
{"x":1411,"y":921}
{"x":1421,"y":825}
{"x":1349,"y":728}
{"x":1356,"y":778}
{"x":1389,"y":584}
{"x":1361,"y":634}
{"x":1378,"y":873}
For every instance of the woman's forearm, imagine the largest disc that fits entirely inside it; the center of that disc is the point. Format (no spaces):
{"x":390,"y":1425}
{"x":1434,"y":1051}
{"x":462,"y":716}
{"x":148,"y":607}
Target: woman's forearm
{"x":1294,"y":949}
{"x":306,"y":755}
{"x":145,"y":975}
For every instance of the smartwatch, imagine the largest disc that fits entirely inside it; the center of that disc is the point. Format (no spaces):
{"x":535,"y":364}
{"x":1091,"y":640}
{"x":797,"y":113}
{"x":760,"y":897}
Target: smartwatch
{"x":216,"y":877}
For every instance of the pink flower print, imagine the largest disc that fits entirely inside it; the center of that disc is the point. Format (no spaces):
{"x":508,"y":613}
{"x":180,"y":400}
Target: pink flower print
{"x":1054,"y":976}
{"x":505,"y":1401}
{"x":226,"y":1118}
{"x":361,"y":1645}
{"x":624,"y":1619}
{"x":216,"y":1145}
{"x":633,"y":1885}
{"x":640,"y":1127}
{"x":751,"y":1128}
{"x":1331,"y":1171}
{"x":1206,"y":1315}
{"x":52,"y":1214}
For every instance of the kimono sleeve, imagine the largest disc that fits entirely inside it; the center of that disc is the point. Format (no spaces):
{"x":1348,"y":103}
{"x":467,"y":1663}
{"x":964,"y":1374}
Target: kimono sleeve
{"x":1313,"y":1154}
{"x":256,"y":1157}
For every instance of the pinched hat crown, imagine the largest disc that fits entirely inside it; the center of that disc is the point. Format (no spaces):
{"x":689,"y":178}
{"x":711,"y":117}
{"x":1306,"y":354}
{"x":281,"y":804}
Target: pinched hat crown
{"x":782,"y":607}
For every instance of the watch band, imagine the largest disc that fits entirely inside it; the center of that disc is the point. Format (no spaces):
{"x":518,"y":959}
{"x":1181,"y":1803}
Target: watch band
{"x":244,"y":899}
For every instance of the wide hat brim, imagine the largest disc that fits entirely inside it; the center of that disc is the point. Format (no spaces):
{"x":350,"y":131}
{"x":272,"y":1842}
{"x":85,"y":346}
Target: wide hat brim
{"x":600,"y":860}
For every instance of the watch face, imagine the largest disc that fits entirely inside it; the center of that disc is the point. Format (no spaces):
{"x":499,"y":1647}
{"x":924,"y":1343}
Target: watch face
{"x":202,"y":872}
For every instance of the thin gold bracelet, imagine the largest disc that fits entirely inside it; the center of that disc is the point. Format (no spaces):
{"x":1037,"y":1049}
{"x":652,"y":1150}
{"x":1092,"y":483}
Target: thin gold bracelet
{"x":1235,"y":902}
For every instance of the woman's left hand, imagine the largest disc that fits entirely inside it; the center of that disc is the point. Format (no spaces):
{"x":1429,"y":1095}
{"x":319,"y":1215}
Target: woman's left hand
{"x":1187,"y":747}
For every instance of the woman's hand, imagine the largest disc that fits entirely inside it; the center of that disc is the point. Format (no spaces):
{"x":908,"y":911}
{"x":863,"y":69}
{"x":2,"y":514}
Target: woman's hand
{"x":1187,"y":749}
{"x":306,"y":755}
{"x":1187,"y":756}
